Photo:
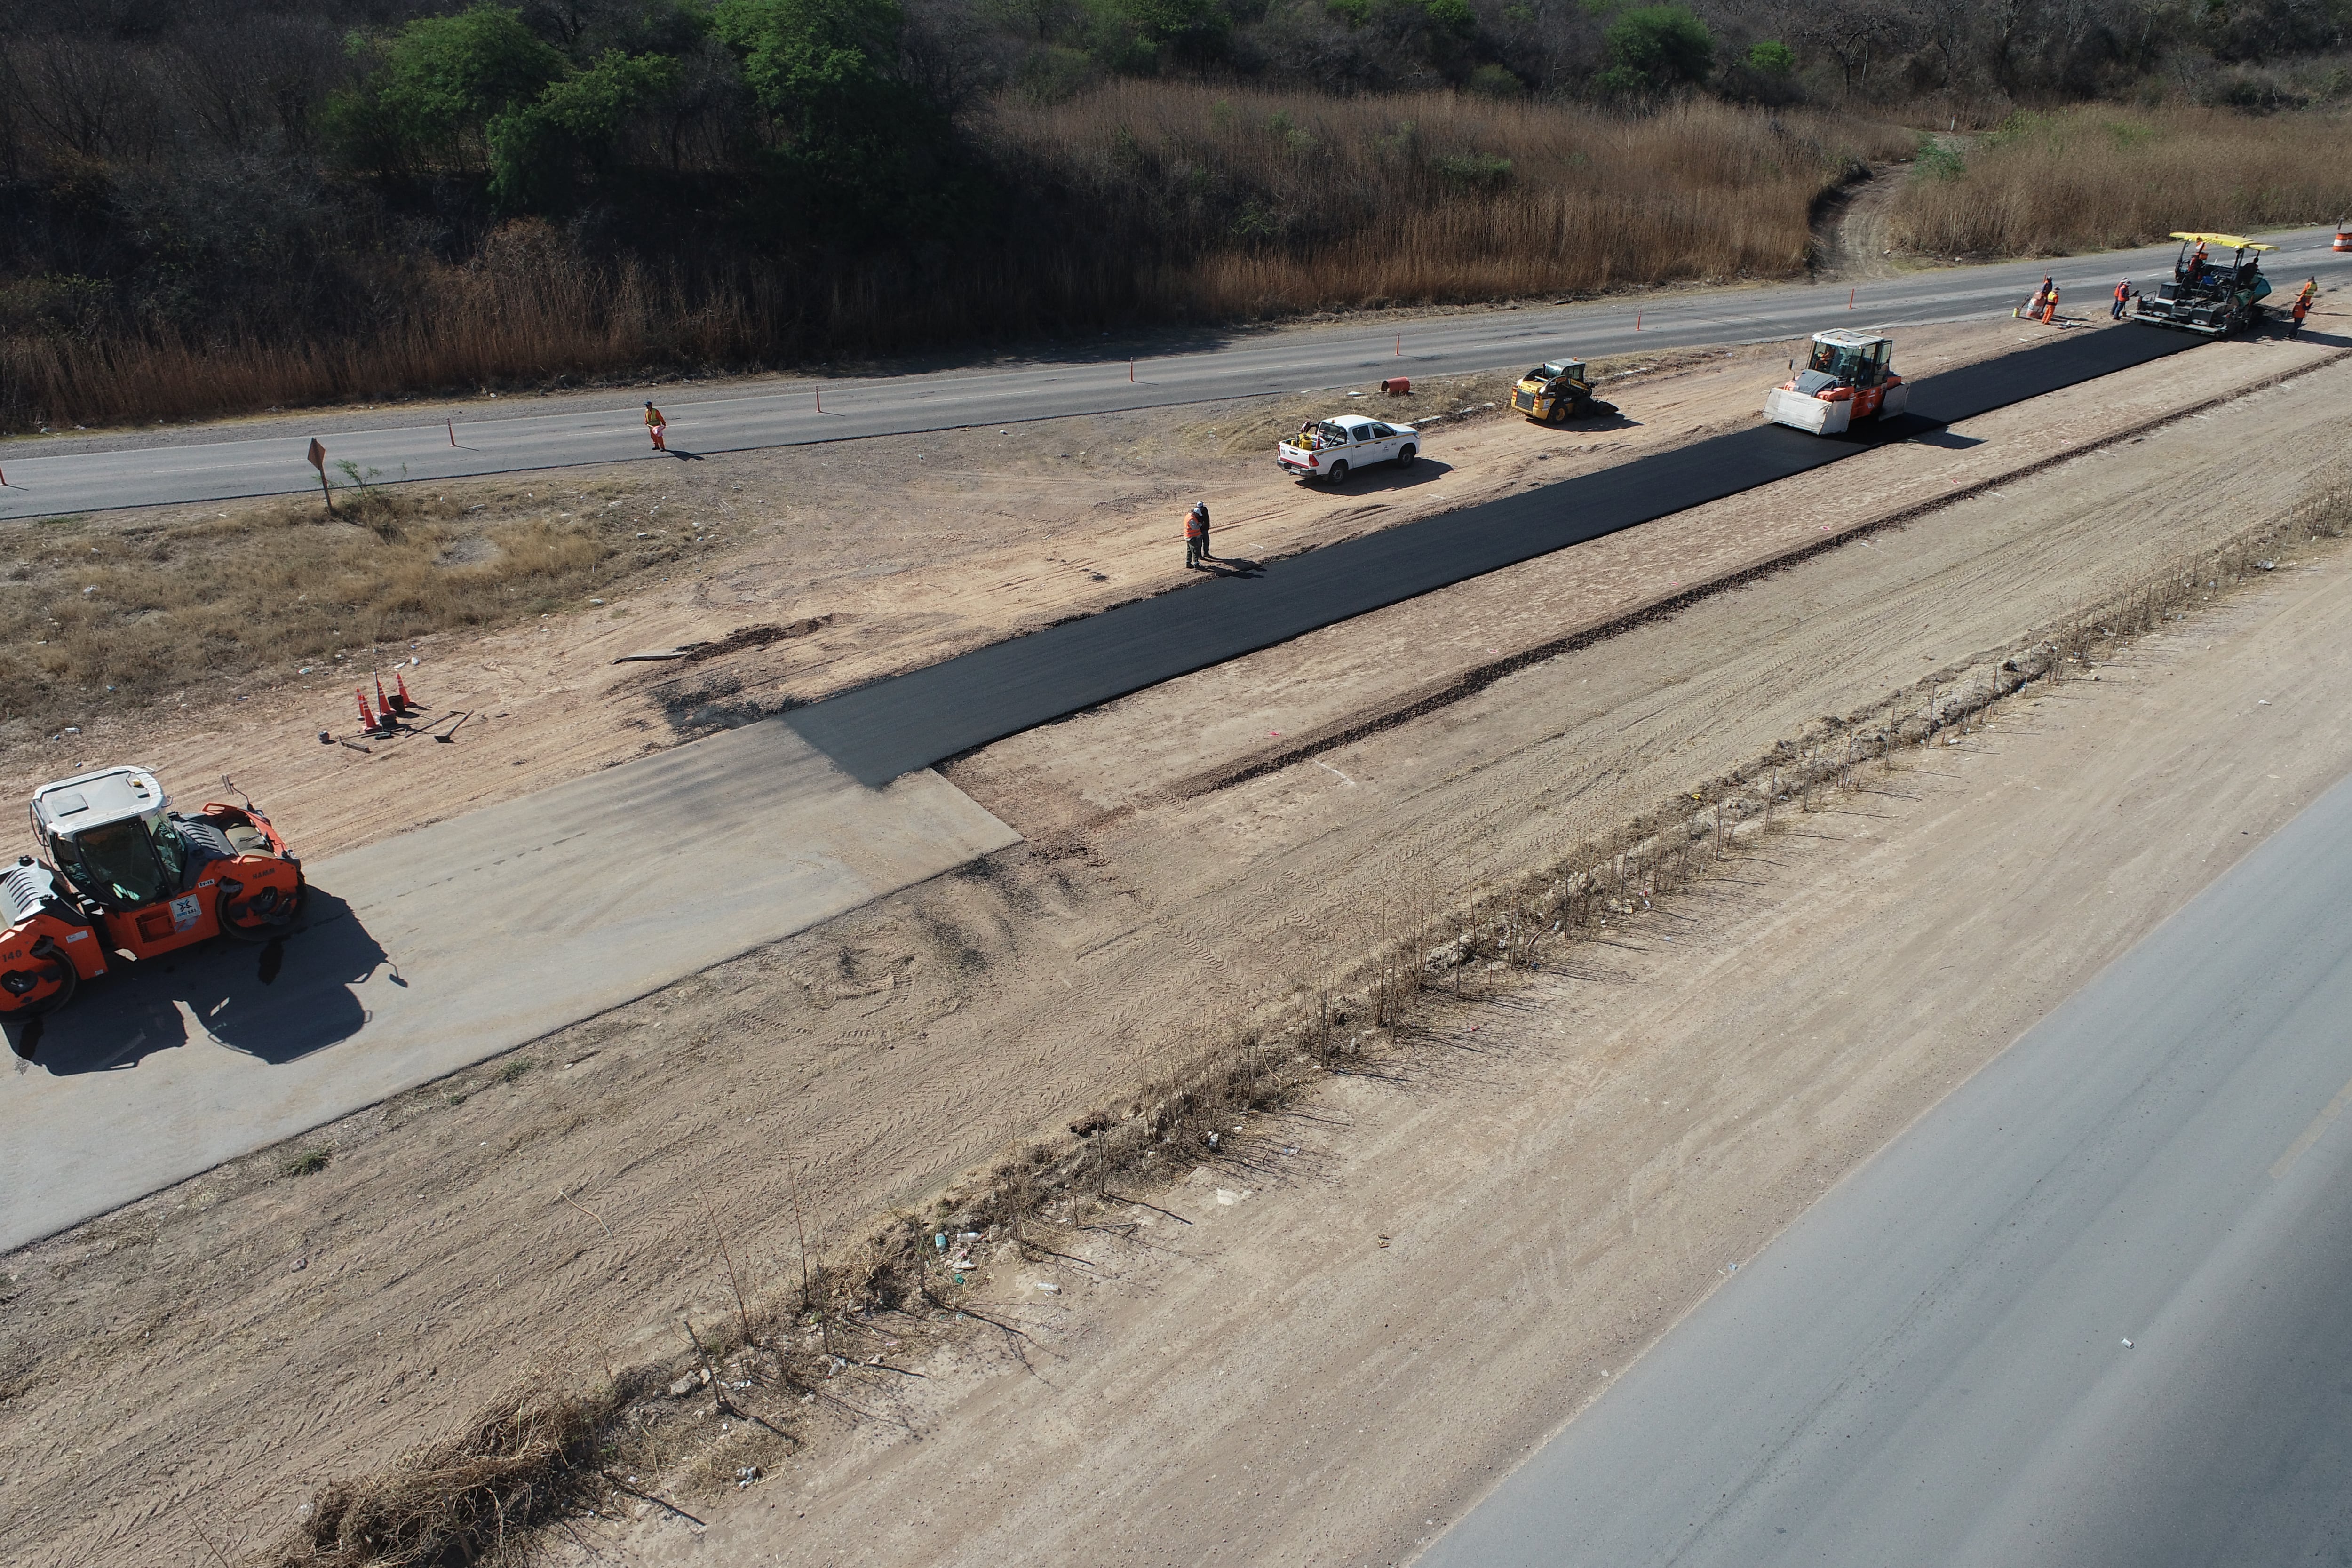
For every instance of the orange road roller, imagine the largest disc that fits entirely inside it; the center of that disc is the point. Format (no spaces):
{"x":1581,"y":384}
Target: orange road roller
{"x":121,"y":876}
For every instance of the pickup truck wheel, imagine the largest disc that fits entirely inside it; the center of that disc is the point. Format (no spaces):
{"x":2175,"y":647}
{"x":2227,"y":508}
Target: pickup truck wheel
{"x":1404,"y":459}
{"x":1339,"y":472}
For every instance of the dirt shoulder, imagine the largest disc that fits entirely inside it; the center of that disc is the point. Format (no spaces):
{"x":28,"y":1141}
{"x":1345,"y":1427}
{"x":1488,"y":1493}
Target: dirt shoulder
{"x":283,"y":1322}
{"x":1329,"y":1342}
{"x":860,"y":559}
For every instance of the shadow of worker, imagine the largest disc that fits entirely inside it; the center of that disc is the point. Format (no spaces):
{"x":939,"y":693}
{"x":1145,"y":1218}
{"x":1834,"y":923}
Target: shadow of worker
{"x":278,"y":1001}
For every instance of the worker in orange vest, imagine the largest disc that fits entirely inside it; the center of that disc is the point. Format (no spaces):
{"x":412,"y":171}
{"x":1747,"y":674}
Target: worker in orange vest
{"x":1196,"y":535}
{"x":2301,"y":306}
{"x":656,"y":424}
{"x":2122,"y":293}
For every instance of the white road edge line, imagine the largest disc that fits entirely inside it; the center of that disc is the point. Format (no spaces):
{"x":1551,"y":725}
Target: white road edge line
{"x":2310,"y":1135}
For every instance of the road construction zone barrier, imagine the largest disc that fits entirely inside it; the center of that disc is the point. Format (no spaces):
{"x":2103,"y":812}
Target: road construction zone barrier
{"x":2344,"y":236}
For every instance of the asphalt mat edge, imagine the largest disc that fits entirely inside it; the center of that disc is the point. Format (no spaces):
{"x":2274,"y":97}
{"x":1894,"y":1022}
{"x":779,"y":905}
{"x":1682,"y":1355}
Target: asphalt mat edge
{"x":896,"y":724}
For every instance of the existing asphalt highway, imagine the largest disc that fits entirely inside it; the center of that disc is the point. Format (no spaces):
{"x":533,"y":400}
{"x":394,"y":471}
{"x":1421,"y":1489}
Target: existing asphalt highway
{"x":2095,"y":1309}
{"x":48,"y":475}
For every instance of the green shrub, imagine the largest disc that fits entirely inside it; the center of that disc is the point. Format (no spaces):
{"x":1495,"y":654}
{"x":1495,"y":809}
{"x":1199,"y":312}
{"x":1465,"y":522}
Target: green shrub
{"x":1938,"y":160}
{"x":1455,"y":16}
{"x":444,"y":77}
{"x":1475,"y":171}
{"x":1653,"y":48}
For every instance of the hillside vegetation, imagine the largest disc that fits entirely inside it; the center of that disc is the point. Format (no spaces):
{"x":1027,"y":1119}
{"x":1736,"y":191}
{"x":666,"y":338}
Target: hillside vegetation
{"x":222,"y":204}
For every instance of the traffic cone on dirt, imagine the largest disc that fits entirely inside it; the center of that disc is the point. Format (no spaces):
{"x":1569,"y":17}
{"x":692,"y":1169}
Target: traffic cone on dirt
{"x":407,"y":705}
{"x":367,"y":719}
{"x":382,"y":703}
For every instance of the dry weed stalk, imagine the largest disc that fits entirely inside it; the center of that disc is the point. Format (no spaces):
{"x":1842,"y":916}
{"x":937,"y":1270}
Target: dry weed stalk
{"x":467,"y":1498}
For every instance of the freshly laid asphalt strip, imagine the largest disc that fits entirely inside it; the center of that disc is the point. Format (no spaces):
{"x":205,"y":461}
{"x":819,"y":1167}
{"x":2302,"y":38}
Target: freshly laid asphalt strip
{"x":892,"y":726}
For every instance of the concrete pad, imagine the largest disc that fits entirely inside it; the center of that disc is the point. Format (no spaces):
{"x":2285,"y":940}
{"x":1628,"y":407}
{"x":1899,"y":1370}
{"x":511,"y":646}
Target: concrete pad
{"x":434,"y":950}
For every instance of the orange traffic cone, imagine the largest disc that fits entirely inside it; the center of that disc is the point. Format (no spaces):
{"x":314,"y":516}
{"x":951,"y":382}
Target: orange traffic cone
{"x":367,"y":719}
{"x":406,"y":704}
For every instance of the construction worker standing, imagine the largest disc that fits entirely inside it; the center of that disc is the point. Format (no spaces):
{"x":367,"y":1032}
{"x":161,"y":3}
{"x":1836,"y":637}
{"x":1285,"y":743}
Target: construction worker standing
{"x":656,"y":424}
{"x":2122,"y":293}
{"x":1196,"y":535}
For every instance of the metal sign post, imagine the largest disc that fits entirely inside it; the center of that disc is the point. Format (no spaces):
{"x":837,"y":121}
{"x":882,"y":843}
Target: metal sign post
{"x":319,"y":460}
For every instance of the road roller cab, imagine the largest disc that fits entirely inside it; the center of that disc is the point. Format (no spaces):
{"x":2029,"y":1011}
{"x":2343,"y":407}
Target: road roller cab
{"x":1849,"y":376}
{"x":121,"y":875}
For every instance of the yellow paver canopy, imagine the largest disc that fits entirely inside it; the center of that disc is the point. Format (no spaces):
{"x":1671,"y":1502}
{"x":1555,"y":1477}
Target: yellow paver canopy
{"x":2229,"y":240}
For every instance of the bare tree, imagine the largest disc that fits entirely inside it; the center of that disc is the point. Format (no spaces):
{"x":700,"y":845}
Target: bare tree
{"x":1855,"y":34}
{"x":12,"y":118}
{"x":80,"y":92}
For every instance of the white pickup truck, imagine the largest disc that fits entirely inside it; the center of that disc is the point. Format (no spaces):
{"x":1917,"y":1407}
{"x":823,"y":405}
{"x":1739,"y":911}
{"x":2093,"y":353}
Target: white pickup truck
{"x":1329,"y":448}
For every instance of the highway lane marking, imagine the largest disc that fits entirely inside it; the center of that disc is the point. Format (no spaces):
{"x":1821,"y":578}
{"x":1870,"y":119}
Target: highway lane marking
{"x":2310,"y":1134}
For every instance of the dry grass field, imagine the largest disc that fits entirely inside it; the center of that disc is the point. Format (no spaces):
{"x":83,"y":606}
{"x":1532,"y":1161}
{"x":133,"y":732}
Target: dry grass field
{"x":2100,"y":177}
{"x":1437,"y":197}
{"x":114,"y":618}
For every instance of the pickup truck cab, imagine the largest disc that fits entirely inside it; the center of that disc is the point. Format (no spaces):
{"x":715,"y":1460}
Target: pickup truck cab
{"x":1330,"y":448}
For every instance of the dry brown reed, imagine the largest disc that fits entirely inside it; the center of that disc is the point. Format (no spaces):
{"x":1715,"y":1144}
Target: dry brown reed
{"x":2098,"y":178}
{"x":527,"y":310}
{"x":1265,"y":203}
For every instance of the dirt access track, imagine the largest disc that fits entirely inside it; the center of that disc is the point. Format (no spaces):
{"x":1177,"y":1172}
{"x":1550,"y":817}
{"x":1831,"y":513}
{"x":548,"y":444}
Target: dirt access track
{"x":280,"y":1322}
